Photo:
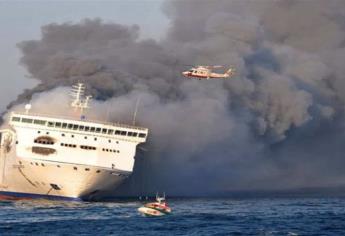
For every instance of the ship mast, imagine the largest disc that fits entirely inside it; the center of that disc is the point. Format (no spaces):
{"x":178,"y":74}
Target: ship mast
{"x":79,"y":102}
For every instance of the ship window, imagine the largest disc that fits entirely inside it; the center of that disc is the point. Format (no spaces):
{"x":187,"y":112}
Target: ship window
{"x":123,"y":133}
{"x":40,"y":122}
{"x":117,"y":142}
{"x":63,"y":135}
{"x":85,"y":137}
{"x":95,"y":139}
{"x":93,"y":129}
{"x":75,"y":168}
{"x":87,"y":169}
{"x":75,"y":127}
{"x":142,"y":135}
{"x":58,"y":166}
{"x":129,"y":133}
{"x":64,"y":125}
{"x":110,"y":131}
{"x":87,"y":128}
{"x":25,"y":120}
{"x":118,"y":151}
{"x":15,"y":118}
{"x":70,"y":126}
{"x":118,"y":132}
{"x":42,"y":164}
{"x":38,"y":132}
{"x":104,"y":131}
{"x":81,"y":127}
{"x":58,"y":124}
{"x":98,"y":171}
{"x":50,"y":124}
{"x":109,"y":141}
{"x":135,"y":134}
{"x":72,"y":136}
{"x":98,"y":130}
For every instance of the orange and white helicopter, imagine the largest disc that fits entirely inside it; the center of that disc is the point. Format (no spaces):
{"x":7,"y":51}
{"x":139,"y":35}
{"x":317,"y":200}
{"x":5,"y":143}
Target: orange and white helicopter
{"x":205,"y":72}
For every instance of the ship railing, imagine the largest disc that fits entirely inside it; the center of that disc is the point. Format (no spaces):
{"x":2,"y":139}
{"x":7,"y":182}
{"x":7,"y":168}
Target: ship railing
{"x":116,"y":124}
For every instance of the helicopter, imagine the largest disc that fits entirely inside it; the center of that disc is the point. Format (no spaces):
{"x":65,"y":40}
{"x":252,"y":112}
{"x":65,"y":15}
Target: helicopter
{"x":205,"y":72}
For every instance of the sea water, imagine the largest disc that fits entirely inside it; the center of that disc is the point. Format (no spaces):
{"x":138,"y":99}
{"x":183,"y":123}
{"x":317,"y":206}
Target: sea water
{"x":193,"y":216}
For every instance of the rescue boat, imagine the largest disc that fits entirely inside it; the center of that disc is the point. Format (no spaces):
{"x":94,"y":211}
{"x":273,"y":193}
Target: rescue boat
{"x":158,"y":208}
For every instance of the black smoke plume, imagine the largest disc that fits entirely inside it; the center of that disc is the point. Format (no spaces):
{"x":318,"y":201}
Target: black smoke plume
{"x":277,"y":125}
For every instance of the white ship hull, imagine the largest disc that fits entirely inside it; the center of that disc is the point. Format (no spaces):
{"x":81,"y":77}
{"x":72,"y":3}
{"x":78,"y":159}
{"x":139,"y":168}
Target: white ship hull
{"x":38,"y":179}
{"x":60,"y":158}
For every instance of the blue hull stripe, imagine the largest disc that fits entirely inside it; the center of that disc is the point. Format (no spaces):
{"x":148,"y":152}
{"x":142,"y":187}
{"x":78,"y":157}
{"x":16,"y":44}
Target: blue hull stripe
{"x":17,"y":195}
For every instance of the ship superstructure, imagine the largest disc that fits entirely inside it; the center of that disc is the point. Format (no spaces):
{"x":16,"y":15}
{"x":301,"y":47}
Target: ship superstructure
{"x":42,"y":155}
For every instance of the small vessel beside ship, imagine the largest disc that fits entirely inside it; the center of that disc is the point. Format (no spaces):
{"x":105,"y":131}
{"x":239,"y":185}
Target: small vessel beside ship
{"x":158,"y":208}
{"x":44,"y":156}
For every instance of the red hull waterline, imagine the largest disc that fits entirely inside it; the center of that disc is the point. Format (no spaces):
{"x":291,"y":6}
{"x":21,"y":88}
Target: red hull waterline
{"x":12,"y":198}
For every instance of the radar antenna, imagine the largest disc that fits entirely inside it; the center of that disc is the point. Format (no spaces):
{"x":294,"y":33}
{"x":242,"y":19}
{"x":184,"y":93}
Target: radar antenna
{"x":80,"y":102}
{"x":136,"y":111}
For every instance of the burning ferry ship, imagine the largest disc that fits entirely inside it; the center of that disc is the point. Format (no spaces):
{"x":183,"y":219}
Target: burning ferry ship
{"x":65,"y":158}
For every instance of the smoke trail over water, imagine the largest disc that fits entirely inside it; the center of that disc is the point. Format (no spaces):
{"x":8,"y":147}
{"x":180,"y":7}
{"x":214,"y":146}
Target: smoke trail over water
{"x":277,"y":125}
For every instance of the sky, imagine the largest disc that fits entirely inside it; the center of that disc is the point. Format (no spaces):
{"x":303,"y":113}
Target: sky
{"x":22,"y":20}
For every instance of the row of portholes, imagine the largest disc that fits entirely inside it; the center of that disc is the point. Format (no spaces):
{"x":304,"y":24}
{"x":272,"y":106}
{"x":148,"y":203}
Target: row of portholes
{"x":40,"y":132}
{"x":43,"y":142}
{"x":37,"y":164}
{"x":85,"y":137}
{"x":89,"y":147}
{"x":74,"y":168}
{"x":110,"y":150}
{"x":68,"y":145}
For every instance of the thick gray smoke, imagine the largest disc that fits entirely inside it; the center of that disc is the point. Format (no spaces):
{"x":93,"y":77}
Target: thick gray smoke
{"x":278,"y":124}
